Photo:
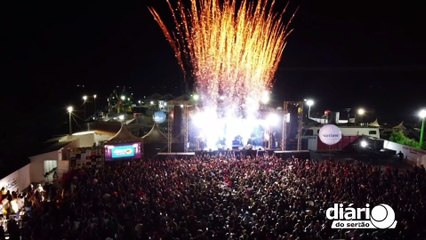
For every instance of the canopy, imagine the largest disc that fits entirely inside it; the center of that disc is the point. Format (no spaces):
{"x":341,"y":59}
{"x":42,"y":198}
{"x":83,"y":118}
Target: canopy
{"x":374,"y":124}
{"x":400,"y":126}
{"x":154,"y":141}
{"x":155,"y":135}
{"x":123,"y":136}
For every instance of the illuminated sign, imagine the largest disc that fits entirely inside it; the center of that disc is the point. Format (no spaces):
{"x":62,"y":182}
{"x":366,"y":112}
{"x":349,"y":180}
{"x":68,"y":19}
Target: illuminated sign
{"x":330,"y":134}
{"x":122,"y":151}
{"x":159,"y":117}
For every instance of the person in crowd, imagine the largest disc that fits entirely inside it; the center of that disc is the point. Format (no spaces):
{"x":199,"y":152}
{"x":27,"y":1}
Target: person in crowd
{"x":400,"y":157}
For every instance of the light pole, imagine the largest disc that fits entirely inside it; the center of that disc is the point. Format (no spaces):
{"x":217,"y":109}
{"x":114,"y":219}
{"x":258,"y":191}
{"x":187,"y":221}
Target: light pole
{"x":361,"y":112}
{"x":309,"y":103}
{"x":94,"y":102}
{"x":69,"y":110}
{"x":122,"y":118}
{"x":84,"y":105}
{"x":422,"y":115}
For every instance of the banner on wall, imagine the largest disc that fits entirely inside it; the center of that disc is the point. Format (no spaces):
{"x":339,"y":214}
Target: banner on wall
{"x":18,"y":180}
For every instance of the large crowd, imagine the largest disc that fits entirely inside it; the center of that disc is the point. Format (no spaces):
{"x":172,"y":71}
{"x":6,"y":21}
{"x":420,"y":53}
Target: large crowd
{"x":263,"y":197}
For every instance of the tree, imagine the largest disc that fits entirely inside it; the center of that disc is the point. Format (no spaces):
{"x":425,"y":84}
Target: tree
{"x":398,"y":136}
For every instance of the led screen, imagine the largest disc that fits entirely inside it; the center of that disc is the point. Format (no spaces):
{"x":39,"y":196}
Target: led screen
{"x":118,"y":152}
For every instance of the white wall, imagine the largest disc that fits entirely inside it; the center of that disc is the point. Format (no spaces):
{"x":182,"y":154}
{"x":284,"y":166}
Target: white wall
{"x":37,"y":165}
{"x":18,"y":180}
{"x":78,"y":140}
{"x":312,"y":143}
{"x":86,"y":140}
{"x":353,"y":131}
{"x":414,"y":156}
{"x":34,"y":171}
{"x":63,"y":167}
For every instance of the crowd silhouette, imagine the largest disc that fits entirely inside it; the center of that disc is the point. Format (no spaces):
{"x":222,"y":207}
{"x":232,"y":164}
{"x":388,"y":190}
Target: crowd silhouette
{"x":263,"y":197}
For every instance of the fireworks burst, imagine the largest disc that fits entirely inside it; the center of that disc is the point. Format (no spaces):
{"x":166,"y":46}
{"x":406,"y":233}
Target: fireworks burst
{"x":233,"y":50}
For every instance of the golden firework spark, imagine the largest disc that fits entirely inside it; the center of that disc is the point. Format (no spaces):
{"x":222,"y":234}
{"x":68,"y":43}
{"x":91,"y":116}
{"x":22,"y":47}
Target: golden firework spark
{"x":233,"y":49}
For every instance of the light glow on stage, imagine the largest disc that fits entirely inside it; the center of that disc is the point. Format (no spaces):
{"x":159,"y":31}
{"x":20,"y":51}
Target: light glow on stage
{"x":221,"y":132}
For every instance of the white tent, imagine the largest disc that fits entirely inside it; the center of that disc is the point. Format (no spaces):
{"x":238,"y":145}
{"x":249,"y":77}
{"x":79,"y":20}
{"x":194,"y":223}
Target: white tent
{"x":374,"y":124}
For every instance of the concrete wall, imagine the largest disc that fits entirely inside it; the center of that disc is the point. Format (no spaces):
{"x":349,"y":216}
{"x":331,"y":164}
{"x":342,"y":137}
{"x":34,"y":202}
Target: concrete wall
{"x":37,"y":165}
{"x":412,"y":155}
{"x":353,"y":131}
{"x":63,"y":167}
{"x":86,"y":140}
{"x":312,"y":143}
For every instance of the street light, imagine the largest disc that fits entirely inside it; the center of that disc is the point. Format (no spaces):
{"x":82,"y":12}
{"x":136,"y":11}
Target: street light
{"x":309,"y":103}
{"x":422,"y":115}
{"x":94,"y":102}
{"x":69,"y":110}
{"x":121,"y":118}
{"x":361,"y":112}
{"x":84,"y":105}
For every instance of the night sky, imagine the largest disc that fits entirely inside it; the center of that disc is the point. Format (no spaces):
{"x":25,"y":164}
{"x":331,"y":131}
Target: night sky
{"x":341,"y":53}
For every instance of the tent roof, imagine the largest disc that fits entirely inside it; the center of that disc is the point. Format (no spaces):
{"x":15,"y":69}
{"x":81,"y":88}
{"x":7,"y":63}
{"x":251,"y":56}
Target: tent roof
{"x":123,"y":136}
{"x":400,"y":126}
{"x":374,"y":124}
{"x":155,"y":135}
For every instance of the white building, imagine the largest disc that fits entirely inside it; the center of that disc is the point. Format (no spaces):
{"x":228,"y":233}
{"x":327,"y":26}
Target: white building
{"x":55,"y":159}
{"x":349,"y":135}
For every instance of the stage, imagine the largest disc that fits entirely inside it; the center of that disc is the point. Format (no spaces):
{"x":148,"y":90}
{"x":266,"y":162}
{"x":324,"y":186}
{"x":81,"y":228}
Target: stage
{"x":301,"y":154}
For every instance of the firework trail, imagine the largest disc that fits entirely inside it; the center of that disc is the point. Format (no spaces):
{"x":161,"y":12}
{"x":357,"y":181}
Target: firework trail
{"x":232,"y":51}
